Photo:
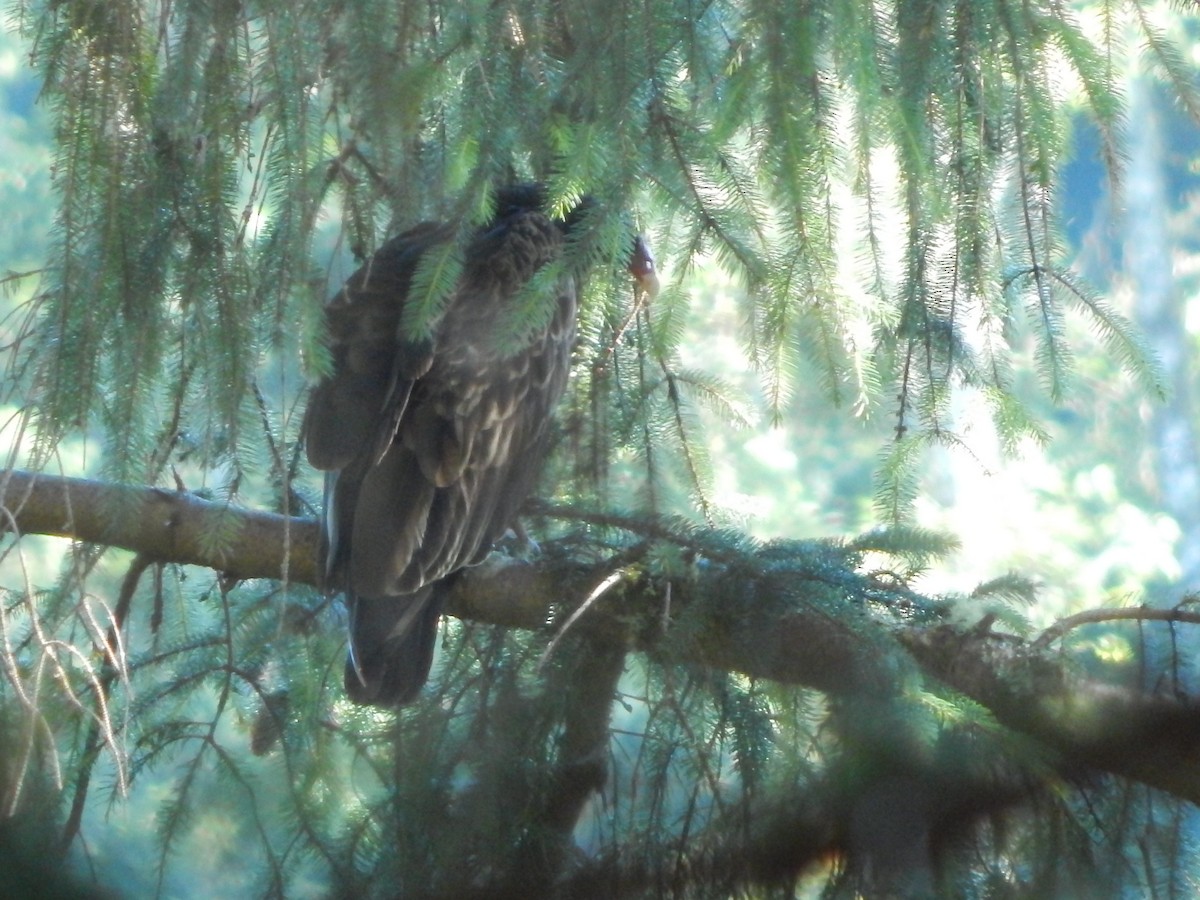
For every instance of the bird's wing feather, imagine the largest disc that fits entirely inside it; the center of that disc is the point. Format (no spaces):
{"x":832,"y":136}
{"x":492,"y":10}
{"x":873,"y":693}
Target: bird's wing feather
{"x":360,"y":403}
{"x":452,"y":480}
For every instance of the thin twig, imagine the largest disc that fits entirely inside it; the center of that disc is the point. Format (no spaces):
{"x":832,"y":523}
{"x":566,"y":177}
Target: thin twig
{"x":603,"y":587}
{"x":1137,"y":613}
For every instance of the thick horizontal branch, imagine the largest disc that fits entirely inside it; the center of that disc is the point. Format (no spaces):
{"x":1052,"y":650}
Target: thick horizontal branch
{"x":1149,"y":738}
{"x":894,"y":827}
{"x":163,"y":525}
{"x":891,"y":829}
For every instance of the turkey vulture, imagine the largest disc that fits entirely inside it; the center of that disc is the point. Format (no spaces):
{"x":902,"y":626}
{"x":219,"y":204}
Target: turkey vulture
{"x":430,"y":444}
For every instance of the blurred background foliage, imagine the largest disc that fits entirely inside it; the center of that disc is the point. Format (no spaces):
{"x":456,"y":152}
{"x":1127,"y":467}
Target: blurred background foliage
{"x":288,"y":150}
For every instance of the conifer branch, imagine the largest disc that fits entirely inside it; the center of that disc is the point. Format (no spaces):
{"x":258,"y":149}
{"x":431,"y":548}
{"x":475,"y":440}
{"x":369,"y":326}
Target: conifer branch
{"x":792,"y":831}
{"x":1148,"y":738}
{"x":162,"y":525}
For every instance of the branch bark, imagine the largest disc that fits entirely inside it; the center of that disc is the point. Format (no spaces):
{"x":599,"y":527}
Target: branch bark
{"x":162,"y":525}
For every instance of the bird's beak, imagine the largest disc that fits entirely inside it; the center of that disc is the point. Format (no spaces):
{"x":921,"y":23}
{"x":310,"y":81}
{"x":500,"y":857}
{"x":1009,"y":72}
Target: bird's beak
{"x":641,"y":267}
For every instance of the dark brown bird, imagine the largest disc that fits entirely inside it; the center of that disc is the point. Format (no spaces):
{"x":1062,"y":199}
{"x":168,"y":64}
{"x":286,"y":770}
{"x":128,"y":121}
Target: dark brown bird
{"x":430,"y":445}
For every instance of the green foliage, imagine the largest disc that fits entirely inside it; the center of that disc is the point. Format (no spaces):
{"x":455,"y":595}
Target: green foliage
{"x":876,"y":181}
{"x":200,"y":150}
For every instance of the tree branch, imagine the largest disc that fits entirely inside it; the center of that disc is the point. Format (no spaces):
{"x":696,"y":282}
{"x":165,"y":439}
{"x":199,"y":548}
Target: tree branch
{"x":1153,"y":739}
{"x":1124,"y":613}
{"x":162,"y":525}
{"x":897,"y":826}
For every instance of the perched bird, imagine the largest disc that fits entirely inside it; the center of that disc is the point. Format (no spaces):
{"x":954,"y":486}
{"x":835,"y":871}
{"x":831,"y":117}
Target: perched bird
{"x":430,"y":444}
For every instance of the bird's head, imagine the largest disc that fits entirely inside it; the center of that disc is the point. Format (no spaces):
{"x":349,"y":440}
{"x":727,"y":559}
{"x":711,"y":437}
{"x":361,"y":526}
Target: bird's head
{"x":642,"y":268}
{"x":514,"y":198}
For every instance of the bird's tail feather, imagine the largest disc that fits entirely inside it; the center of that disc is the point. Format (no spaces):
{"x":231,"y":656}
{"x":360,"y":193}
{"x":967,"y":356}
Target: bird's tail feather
{"x":392,"y":640}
